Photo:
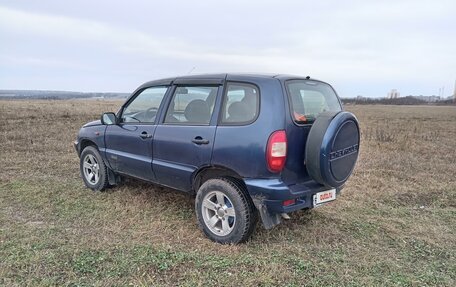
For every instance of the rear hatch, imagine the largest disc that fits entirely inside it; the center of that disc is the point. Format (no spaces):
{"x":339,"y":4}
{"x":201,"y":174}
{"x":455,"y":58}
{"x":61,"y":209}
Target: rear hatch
{"x":306,"y":100}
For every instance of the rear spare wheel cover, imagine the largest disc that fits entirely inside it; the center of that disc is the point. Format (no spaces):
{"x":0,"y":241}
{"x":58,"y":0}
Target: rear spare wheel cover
{"x":332,"y":148}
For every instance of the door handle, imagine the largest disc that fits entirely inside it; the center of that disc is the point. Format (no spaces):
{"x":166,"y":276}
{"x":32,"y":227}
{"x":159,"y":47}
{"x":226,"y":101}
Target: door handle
{"x":199,"y":140}
{"x":144,"y":135}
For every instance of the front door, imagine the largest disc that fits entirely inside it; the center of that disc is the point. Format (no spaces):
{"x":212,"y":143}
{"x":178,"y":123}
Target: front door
{"x":129,"y":143}
{"x":183,"y":142}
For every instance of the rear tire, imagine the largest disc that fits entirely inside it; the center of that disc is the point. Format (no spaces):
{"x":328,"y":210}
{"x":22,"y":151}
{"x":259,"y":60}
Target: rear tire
{"x":93,"y":169}
{"x":225,"y":212}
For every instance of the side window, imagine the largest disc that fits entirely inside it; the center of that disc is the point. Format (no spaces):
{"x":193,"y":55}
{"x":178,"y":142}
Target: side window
{"x":240,"y":104}
{"x":144,"y":108}
{"x":192,"y":105}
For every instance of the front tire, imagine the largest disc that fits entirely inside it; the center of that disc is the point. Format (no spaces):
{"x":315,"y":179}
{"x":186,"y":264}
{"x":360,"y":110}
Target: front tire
{"x":225,"y":212}
{"x":93,"y":169}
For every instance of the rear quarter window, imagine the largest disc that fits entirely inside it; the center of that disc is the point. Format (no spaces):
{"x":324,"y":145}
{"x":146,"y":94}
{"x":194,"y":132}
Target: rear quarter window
{"x":240,"y":104}
{"x":310,"y":98}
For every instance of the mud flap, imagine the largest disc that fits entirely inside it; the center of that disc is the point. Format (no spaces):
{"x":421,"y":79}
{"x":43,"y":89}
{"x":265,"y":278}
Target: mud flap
{"x":269,"y":219}
{"x":113,"y":179}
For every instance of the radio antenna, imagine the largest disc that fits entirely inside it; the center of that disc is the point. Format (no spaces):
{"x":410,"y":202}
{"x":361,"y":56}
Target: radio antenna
{"x":191,"y":70}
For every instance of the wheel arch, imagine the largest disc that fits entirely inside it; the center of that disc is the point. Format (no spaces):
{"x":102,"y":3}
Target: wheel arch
{"x":205,"y":173}
{"x":85,"y":143}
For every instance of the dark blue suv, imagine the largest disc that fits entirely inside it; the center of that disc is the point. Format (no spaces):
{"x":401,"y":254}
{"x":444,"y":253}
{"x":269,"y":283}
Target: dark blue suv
{"x":248,"y":146}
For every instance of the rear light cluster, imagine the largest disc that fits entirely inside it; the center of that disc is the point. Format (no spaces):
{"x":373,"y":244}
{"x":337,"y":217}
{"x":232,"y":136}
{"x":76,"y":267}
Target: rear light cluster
{"x":276,"y":153}
{"x":289,"y":202}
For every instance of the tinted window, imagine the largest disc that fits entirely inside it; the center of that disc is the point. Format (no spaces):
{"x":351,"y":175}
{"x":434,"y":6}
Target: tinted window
{"x":309,"y":99}
{"x":192,"y":105}
{"x":240,"y":104}
{"x":143,"y":109}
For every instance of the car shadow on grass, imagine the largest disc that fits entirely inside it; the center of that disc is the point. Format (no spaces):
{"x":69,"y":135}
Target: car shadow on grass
{"x":156,"y":197}
{"x":180,"y":206}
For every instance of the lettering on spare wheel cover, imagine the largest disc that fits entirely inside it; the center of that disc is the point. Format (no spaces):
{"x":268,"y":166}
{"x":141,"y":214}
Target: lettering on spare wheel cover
{"x":343,"y":152}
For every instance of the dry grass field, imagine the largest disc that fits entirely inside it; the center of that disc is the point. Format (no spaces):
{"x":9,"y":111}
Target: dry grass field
{"x":393,"y":225}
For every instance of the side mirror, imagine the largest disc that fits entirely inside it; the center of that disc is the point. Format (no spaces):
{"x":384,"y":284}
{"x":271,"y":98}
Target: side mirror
{"x":108,"y":119}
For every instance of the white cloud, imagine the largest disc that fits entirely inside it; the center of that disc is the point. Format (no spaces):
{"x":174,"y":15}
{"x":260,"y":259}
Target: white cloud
{"x":378,"y":42}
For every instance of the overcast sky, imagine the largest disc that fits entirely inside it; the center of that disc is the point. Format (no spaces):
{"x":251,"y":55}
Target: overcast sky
{"x":361,"y":47}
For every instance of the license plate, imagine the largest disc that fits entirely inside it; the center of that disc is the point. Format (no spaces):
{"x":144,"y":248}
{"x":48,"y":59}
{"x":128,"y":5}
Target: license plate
{"x":324,"y":196}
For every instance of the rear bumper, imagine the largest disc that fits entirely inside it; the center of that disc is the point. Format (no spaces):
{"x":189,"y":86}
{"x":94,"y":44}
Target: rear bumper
{"x":273,"y":192}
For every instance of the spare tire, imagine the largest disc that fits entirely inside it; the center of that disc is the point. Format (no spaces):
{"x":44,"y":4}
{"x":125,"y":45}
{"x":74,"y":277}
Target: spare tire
{"x":332,"y":148}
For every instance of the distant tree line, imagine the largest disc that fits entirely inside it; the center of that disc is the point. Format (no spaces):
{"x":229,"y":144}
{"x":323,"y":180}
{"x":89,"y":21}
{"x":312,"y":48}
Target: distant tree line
{"x":409,"y":100}
{"x":57,"y":95}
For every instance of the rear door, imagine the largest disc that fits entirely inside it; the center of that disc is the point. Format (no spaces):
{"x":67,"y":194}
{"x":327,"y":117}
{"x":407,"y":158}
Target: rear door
{"x":129,"y":143}
{"x":184,"y":140}
{"x":307,"y":99}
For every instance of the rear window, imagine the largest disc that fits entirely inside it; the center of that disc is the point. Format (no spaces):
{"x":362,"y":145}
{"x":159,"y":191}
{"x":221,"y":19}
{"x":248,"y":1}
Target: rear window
{"x":309,"y":99}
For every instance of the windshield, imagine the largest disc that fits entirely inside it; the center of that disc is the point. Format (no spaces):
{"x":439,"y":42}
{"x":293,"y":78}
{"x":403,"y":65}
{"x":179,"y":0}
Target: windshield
{"x":309,"y":99}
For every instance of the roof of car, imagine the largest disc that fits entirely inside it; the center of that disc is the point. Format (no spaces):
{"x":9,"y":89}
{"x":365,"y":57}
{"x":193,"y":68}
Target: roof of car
{"x":217,"y":78}
{"x":223,"y":76}
{"x":247,"y":75}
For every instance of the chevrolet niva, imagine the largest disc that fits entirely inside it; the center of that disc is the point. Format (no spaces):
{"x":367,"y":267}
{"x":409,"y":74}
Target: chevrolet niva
{"x":248,"y":146}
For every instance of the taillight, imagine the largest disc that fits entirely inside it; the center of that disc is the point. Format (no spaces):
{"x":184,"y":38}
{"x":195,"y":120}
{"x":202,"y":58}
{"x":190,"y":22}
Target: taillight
{"x":276,"y":153}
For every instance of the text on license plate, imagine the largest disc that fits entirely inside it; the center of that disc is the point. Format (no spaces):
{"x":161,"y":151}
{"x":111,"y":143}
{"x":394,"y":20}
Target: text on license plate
{"x":324,"y":196}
